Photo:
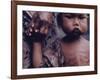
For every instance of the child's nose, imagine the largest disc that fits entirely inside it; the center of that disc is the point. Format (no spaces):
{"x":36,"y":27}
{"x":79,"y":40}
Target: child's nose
{"x":76,"y":21}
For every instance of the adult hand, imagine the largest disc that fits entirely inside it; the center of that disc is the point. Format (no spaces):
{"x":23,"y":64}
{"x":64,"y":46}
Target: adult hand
{"x":38,"y":28}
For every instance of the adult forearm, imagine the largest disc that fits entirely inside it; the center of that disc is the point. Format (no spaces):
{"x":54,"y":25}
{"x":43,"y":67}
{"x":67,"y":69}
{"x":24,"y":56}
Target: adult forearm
{"x":37,"y":55}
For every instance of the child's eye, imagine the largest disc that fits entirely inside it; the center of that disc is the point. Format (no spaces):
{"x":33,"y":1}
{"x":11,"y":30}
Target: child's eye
{"x":68,"y":16}
{"x":82,"y":17}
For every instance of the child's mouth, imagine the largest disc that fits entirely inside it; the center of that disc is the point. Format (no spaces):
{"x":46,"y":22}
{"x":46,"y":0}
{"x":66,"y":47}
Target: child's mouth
{"x":73,"y":35}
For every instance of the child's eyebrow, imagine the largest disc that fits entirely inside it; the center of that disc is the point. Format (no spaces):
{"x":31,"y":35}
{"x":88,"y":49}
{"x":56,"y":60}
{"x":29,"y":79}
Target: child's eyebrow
{"x":75,"y":14}
{"x":72,"y":14}
{"x":83,"y":16}
{"x":68,"y":14}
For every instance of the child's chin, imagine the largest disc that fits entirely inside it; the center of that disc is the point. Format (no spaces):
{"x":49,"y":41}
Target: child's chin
{"x":73,"y":35}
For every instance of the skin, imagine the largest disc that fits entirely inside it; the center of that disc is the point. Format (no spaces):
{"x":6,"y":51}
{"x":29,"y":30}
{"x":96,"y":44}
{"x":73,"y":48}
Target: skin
{"x":71,"y":21}
{"x":46,"y":16}
{"x":75,"y":53}
{"x":37,"y":46}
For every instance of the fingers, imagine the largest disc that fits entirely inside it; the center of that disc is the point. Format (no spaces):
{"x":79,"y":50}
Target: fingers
{"x":44,"y":30}
{"x":37,"y":25}
{"x":30,"y":31}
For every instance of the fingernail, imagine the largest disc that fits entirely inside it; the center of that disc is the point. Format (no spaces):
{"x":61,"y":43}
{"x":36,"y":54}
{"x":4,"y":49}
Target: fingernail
{"x":36,"y":30}
{"x":30,"y":34}
{"x":30,"y":30}
{"x":32,"y":25}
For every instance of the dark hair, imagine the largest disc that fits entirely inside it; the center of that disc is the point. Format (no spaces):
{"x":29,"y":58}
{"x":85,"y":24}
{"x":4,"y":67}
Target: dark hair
{"x":59,"y":19}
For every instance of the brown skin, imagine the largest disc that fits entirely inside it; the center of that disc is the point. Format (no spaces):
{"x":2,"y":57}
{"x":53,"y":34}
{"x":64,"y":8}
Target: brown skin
{"x":37,"y":46}
{"x":76,"y":53}
{"x":71,"y":21}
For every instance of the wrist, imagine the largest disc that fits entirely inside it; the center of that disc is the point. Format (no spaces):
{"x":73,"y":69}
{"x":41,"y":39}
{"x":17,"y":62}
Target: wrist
{"x":38,"y":37}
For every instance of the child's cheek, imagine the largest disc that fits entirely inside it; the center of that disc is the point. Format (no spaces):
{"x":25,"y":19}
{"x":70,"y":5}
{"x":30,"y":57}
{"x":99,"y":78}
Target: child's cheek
{"x":84,"y":27}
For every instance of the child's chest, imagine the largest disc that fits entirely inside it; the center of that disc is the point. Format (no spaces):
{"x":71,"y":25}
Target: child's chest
{"x":77,"y":53}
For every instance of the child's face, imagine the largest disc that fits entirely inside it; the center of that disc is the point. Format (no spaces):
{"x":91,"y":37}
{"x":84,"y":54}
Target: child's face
{"x":75,"y":20}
